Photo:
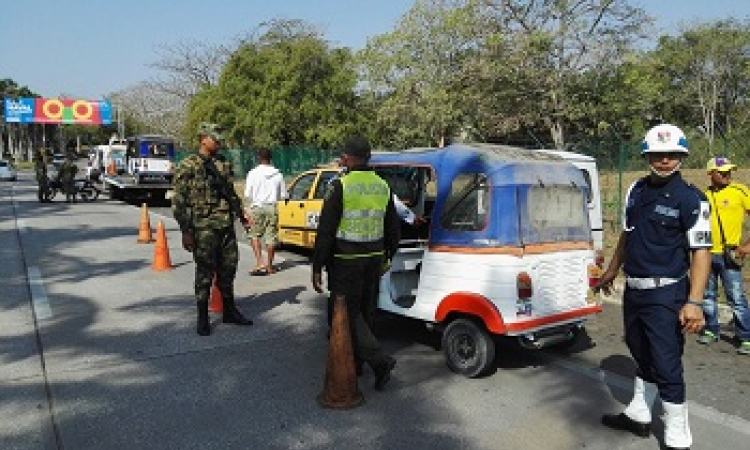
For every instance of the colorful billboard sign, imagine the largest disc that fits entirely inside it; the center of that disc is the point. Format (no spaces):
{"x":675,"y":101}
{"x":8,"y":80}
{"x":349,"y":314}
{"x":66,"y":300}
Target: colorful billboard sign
{"x":58,"y":110}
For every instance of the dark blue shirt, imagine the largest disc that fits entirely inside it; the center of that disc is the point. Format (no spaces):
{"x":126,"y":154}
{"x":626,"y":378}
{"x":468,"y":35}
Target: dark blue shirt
{"x":662,"y":223}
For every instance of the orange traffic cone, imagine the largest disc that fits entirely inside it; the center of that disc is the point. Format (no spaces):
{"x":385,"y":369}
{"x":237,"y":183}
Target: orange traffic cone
{"x":340,"y":390}
{"x":144,"y":230}
{"x":161,"y":250}
{"x":112,"y":168}
{"x":217,"y":302}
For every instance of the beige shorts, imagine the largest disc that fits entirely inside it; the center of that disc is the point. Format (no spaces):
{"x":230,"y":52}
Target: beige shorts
{"x":265,"y":222}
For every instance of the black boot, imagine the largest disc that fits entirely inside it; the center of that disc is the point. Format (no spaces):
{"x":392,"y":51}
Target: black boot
{"x":625,"y":423}
{"x":232,"y":314}
{"x":204,"y":327}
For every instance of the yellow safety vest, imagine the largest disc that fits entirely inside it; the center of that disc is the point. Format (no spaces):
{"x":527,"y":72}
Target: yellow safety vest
{"x":365,"y":199}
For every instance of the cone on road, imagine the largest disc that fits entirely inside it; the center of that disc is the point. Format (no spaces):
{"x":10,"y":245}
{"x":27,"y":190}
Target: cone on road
{"x":144,"y":230}
{"x":112,"y":168}
{"x":161,"y":250}
{"x":340,"y":390}
{"x":217,"y":302}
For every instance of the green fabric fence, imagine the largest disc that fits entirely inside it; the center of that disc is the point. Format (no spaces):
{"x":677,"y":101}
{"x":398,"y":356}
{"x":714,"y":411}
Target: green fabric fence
{"x":289,"y":160}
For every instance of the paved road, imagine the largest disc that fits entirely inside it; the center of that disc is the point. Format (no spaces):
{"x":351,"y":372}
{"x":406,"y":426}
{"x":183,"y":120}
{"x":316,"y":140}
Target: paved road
{"x":98,"y":351}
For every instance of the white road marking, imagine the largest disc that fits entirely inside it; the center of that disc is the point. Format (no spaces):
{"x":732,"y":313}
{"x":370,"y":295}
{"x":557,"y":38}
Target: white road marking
{"x":39,"y":299}
{"x":737,"y":424}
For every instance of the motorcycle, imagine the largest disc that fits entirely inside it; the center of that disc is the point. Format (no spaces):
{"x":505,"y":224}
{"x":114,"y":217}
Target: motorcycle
{"x":84,"y":189}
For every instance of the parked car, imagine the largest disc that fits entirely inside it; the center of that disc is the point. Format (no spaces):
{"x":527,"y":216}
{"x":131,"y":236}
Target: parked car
{"x":298,"y":216}
{"x":7,"y":171}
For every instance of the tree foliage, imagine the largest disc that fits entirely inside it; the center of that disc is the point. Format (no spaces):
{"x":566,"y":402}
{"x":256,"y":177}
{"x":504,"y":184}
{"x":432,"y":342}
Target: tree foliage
{"x":285,"y":86}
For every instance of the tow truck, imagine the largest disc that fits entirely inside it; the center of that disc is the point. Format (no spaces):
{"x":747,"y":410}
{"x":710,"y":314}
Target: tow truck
{"x":147,"y":172}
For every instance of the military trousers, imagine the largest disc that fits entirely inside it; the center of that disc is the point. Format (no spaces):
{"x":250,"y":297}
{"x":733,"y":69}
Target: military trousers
{"x":215,"y":254}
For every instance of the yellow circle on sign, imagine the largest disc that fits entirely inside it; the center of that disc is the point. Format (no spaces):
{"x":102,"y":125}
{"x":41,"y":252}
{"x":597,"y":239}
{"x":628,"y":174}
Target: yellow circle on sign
{"x":88,"y":108}
{"x":53,"y":102}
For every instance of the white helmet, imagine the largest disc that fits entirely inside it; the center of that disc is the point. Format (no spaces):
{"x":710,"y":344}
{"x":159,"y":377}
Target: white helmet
{"x":664,"y":138}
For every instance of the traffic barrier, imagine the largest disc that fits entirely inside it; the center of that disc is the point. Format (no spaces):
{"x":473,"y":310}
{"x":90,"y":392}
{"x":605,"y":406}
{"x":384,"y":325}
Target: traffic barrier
{"x":144,"y":230}
{"x":340,"y":390}
{"x":161,"y":250}
{"x":217,"y":302}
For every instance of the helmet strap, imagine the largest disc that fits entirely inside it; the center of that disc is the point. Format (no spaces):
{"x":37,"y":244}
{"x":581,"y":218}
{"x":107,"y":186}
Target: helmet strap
{"x":661,"y":174}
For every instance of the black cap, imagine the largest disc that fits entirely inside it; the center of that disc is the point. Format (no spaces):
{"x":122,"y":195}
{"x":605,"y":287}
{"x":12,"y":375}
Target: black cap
{"x":357,"y":146}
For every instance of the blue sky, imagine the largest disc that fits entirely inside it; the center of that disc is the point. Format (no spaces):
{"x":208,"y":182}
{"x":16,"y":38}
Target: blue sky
{"x":89,"y":48}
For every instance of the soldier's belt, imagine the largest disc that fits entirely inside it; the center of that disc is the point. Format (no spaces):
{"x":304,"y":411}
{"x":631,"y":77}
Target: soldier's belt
{"x":650,"y":282}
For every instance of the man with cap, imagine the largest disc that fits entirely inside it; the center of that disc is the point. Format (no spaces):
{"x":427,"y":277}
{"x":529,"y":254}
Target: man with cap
{"x":358,"y":232}
{"x":205,"y":206}
{"x":664,"y":252}
{"x":730,"y":202}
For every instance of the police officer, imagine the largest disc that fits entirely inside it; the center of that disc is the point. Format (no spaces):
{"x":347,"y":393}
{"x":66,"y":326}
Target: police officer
{"x":205,"y":205}
{"x":40,"y":170}
{"x":357,"y":232}
{"x":664,"y":252}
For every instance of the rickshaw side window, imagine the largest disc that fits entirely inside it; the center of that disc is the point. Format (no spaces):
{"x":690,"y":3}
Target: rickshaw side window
{"x":301,"y":187}
{"x":467,"y":205}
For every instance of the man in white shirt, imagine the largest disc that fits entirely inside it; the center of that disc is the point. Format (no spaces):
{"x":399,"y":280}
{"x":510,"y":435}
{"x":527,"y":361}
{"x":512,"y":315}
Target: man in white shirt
{"x":264,"y":186}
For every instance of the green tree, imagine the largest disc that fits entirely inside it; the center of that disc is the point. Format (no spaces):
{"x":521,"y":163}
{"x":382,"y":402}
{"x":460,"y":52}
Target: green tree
{"x":708,"y":74}
{"x":409,"y":76}
{"x":284,"y":86}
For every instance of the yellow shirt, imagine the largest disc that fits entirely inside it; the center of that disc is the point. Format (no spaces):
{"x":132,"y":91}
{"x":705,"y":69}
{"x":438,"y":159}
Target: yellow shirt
{"x":731,"y":204}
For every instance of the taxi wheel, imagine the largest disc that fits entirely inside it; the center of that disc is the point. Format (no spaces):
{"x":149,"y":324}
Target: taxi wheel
{"x":469,"y":349}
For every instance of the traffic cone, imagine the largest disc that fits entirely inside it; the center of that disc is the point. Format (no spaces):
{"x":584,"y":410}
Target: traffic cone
{"x":144,"y":230}
{"x":217,"y":302}
{"x":340,"y":390}
{"x":161,"y":250}
{"x":112,"y":168}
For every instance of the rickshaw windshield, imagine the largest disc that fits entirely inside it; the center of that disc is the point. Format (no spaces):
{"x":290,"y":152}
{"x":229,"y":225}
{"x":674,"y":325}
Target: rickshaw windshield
{"x":554,"y":214}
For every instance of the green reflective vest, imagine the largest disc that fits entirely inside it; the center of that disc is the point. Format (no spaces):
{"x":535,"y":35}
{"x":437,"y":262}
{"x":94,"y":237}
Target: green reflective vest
{"x":366,"y":197}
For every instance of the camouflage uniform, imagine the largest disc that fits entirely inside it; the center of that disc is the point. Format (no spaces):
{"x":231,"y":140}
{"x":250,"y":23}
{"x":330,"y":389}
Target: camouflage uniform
{"x":67,"y":174}
{"x":201,"y":209}
{"x":40,"y":169}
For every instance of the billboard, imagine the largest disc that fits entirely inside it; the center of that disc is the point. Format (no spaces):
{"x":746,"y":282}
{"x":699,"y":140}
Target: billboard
{"x":57,"y":110}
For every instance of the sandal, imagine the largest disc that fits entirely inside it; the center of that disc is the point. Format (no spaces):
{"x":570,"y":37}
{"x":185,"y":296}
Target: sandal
{"x":259,"y":272}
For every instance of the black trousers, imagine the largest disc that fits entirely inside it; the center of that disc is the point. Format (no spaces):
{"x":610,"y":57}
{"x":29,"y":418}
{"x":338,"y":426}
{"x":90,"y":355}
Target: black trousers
{"x":358,"y":281}
{"x":654,"y":336}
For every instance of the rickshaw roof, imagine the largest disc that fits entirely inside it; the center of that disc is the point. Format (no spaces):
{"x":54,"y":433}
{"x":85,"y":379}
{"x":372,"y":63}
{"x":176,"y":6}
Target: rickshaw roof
{"x":503,"y":165}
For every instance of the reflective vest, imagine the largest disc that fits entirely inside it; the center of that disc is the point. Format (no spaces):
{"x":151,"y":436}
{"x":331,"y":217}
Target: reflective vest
{"x":365,"y":199}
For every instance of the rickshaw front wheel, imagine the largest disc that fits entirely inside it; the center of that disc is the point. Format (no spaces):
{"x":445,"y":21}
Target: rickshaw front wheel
{"x":468,"y":347}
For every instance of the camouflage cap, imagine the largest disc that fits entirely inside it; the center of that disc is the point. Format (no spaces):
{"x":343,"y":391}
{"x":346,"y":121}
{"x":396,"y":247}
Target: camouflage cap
{"x":211,"y":130}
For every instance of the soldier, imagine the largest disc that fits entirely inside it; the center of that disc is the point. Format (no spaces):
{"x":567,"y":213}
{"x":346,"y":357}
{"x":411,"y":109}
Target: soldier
{"x":40,"y":169}
{"x":67,"y":174}
{"x":205,"y":206}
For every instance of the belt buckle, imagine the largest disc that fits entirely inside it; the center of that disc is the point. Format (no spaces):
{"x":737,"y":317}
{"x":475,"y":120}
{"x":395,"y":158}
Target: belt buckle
{"x":657,"y":281}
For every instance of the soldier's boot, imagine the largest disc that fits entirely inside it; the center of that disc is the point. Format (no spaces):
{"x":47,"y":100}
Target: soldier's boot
{"x":232,"y":314}
{"x":204,"y":327}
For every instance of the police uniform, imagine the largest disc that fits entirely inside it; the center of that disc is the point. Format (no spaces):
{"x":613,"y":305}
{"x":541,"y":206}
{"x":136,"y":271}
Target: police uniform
{"x":358,"y":228}
{"x":67,"y":175}
{"x":207,"y":212}
{"x":662,"y":223}
{"x":666,"y":238}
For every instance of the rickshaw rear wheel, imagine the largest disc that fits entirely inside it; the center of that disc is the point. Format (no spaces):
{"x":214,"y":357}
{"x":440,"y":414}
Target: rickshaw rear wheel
{"x":468,"y":347}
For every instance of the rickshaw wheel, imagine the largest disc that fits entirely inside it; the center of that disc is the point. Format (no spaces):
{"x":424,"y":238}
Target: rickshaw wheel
{"x":469,"y":349}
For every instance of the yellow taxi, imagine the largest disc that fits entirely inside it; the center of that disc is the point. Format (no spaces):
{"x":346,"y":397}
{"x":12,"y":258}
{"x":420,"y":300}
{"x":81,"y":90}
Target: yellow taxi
{"x":298,"y":216}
